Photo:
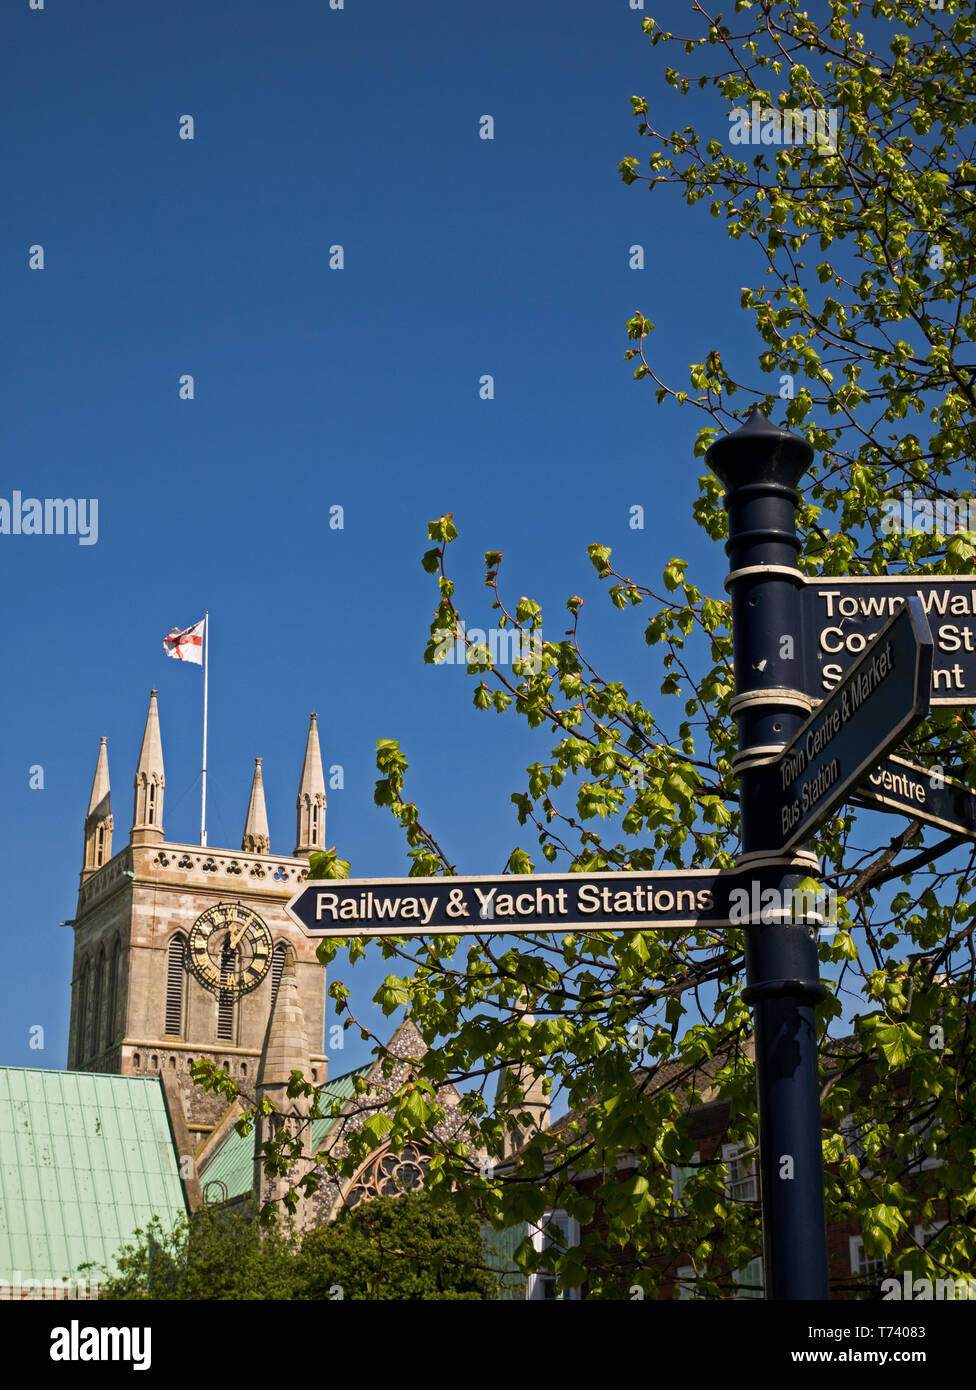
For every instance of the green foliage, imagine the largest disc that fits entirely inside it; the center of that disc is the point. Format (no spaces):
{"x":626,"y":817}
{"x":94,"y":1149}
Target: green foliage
{"x":214,"y":1254}
{"x":395,"y":1248}
{"x":388,"y":1248}
{"x":327,"y":864}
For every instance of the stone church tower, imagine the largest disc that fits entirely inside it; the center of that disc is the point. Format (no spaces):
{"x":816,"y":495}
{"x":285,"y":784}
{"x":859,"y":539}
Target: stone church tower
{"x":136,"y":1006}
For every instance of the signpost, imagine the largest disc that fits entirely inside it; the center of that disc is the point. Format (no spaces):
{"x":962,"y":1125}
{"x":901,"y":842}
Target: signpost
{"x":668,"y":900}
{"x":841,"y":616}
{"x":761,"y":467}
{"x":881,"y":698}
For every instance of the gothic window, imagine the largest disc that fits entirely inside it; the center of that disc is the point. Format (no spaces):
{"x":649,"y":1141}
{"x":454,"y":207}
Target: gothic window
{"x":175,"y":986}
{"x":95,"y":1011}
{"x":388,"y":1174}
{"x":81,"y":1026}
{"x":151,"y":804}
{"x":225,"y":1000}
{"x":277,"y":965}
{"x":99,"y":846}
{"x":115,"y":966}
{"x":314,"y":823}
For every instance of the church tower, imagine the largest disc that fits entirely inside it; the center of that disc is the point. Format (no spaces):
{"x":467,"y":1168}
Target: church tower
{"x":180,"y":949}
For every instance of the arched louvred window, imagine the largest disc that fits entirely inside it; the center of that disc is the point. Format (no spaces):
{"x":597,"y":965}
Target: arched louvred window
{"x":95,"y":1009}
{"x":176,"y":986}
{"x":151,"y":804}
{"x":225,"y":1000}
{"x":99,"y":846}
{"x":277,"y":965}
{"x":115,"y":966}
{"x":81,"y":1015}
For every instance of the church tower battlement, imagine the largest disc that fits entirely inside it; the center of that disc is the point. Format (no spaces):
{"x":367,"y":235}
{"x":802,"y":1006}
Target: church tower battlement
{"x":179,"y":949}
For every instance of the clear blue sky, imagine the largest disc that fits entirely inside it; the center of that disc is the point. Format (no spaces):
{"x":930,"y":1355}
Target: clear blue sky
{"x":316,"y":387}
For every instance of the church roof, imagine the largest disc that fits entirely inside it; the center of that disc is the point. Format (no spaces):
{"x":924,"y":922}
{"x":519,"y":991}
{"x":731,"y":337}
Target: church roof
{"x":230,"y":1171}
{"x":85,"y":1160}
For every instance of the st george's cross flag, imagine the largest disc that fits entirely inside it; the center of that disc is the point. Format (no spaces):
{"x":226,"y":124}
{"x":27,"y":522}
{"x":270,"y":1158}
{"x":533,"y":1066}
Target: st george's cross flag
{"x":186,"y":645}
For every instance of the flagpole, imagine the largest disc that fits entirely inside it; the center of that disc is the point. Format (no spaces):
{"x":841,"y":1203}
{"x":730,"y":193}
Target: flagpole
{"x":203,"y":786}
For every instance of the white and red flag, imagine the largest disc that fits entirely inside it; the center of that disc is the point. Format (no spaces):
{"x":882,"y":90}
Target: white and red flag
{"x":186,"y":645}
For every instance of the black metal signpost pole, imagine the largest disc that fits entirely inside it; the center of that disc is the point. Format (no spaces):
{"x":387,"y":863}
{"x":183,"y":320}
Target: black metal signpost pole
{"x":761,"y":467}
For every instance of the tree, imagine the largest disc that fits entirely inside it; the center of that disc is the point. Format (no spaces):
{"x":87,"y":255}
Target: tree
{"x":213,"y":1254}
{"x":403,"y":1248}
{"x":874,"y":333}
{"x":387,"y":1248}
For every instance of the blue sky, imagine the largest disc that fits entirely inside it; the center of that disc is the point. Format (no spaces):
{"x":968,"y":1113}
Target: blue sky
{"x":316,"y":387}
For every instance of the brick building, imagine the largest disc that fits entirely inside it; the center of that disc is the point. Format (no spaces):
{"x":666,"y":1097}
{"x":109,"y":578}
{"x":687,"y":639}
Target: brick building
{"x":853,"y":1273}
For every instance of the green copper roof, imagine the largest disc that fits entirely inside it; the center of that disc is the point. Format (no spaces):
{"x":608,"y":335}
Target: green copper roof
{"x":85,"y":1159}
{"x":229,"y":1172}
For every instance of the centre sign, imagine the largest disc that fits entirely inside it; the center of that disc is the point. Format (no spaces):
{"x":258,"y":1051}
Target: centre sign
{"x":924,"y":793}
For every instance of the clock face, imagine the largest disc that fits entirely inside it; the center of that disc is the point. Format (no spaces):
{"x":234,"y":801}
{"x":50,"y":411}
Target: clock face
{"x":229,"y":950}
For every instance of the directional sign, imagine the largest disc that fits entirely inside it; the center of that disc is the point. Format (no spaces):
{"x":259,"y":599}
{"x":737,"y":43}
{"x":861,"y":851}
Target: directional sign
{"x":841,"y":616}
{"x":883,"y":695}
{"x":921,"y":792}
{"x":515,"y":903}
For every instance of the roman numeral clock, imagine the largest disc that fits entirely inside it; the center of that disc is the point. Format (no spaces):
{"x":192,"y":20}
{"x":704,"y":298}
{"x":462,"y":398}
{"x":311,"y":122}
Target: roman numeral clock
{"x":229,"y":950}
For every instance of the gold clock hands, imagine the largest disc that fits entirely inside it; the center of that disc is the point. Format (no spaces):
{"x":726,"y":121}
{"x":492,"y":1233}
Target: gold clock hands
{"x":232,"y":939}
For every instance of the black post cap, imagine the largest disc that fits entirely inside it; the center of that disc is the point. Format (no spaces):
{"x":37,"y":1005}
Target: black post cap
{"x":759,"y":452}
